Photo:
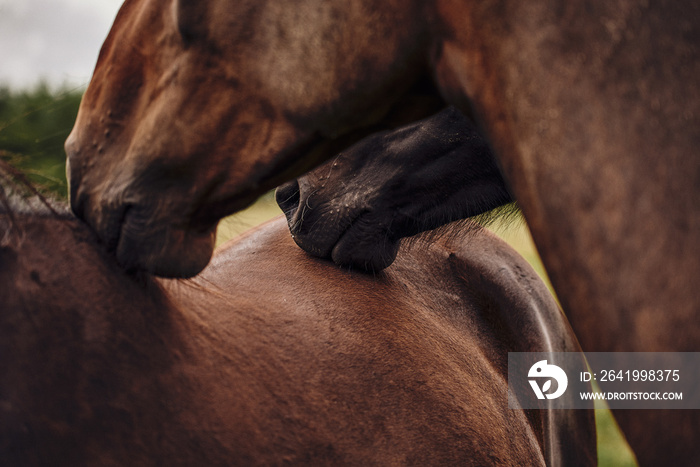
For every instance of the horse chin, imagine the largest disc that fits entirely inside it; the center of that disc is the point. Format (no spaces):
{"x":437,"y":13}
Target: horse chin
{"x":352,"y":239}
{"x":171,"y":252}
{"x":359,"y":253}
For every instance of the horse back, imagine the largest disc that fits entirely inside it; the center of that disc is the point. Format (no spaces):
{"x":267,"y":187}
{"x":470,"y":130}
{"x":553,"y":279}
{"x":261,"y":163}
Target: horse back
{"x":420,"y":350}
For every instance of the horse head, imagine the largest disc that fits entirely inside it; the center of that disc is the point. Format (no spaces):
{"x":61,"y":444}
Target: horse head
{"x":355,"y":208}
{"x":197,"y":108}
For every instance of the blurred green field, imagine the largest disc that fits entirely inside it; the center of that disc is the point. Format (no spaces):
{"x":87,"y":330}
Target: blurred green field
{"x":613,"y":450}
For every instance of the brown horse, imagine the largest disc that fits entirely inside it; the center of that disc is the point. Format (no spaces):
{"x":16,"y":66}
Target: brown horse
{"x":272,"y":357}
{"x":196,"y":108}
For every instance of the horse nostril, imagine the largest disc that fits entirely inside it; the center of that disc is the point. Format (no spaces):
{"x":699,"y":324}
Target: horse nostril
{"x":288,"y":197}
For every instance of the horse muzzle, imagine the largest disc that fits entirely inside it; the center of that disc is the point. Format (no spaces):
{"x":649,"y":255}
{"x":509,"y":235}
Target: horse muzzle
{"x":352,"y":237}
{"x":146,"y":236}
{"x":163,"y":249}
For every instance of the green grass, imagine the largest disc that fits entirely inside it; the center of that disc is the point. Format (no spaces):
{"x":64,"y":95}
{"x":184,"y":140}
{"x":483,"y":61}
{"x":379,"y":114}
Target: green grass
{"x":264,"y":209}
{"x":613,"y":450}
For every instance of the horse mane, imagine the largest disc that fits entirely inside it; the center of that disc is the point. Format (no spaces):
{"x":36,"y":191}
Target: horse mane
{"x":18,"y":195}
{"x":500,"y":218}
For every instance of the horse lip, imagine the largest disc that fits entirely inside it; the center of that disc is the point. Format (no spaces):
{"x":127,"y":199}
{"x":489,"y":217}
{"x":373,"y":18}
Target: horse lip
{"x":174,"y":250}
{"x":106,"y":224}
{"x":127,"y":258}
{"x":343,"y":234}
{"x":310,"y":245}
{"x":369,"y":264}
{"x":113,"y":243}
{"x":77,"y":205}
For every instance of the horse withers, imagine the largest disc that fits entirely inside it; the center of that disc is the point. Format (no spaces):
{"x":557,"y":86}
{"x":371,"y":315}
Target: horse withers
{"x":271,"y":356}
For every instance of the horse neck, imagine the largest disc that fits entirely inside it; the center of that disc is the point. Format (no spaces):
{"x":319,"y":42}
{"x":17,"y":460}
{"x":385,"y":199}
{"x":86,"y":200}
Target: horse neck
{"x":83,"y":342}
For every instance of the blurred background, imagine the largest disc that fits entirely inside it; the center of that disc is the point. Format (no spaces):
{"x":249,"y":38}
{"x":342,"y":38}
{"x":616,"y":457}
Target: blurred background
{"x":52,"y":41}
{"x":48,"y":50}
